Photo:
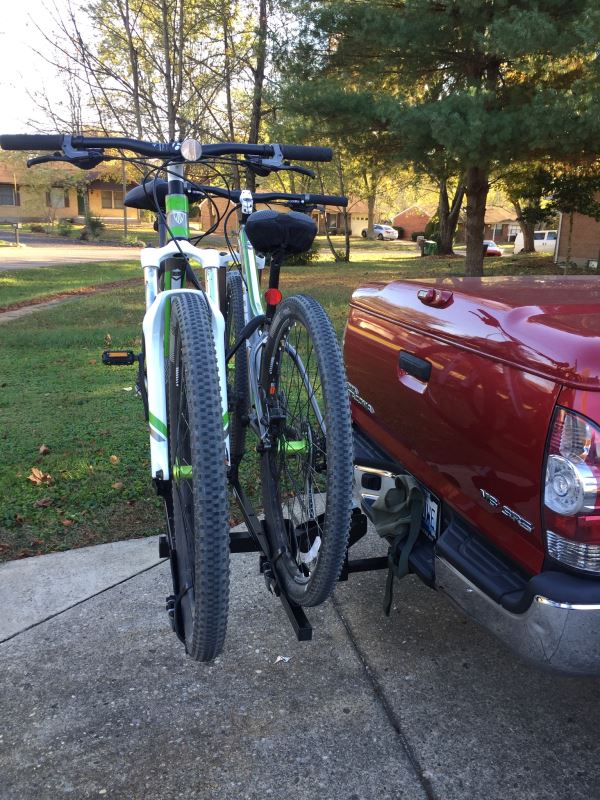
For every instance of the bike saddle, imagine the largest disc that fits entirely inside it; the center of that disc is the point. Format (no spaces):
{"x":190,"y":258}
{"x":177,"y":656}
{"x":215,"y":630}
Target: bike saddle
{"x":277,"y":232}
{"x":143,"y":196}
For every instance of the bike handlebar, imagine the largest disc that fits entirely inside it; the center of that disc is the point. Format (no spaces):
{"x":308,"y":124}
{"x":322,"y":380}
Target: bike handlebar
{"x":54,"y":142}
{"x":27,"y":141}
{"x":197,"y":191}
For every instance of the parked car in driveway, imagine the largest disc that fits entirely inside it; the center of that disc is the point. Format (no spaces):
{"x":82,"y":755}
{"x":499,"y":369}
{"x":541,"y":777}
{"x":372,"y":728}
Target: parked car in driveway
{"x":381,"y":232}
{"x":492,"y":248}
{"x":543,"y":242}
{"x":487,"y":391}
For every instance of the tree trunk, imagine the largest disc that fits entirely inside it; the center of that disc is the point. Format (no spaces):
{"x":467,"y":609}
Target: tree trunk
{"x":527,"y":228}
{"x":227,"y":49}
{"x":168,"y":72}
{"x":569,"y":239}
{"x":370,"y":216}
{"x":477,"y":187}
{"x":448,"y":216}
{"x":342,"y":184}
{"x":259,"y":79}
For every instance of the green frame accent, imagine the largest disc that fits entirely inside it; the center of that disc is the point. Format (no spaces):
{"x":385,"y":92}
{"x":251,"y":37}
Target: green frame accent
{"x":177,"y":207}
{"x":294,"y":447}
{"x":157,"y":424}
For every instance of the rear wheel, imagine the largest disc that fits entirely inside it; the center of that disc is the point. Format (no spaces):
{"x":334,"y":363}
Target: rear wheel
{"x":237,"y":368}
{"x":198,"y":479}
{"x":307,"y":472}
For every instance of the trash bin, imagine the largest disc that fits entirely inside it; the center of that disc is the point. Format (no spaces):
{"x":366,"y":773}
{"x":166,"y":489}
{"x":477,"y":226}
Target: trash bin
{"x":430,"y":247}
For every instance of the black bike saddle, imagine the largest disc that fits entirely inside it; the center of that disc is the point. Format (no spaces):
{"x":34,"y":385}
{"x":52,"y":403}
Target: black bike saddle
{"x":146,"y":195}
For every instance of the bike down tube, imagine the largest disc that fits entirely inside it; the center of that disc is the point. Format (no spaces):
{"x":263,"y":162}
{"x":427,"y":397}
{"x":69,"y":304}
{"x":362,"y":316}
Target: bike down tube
{"x":154,"y":336}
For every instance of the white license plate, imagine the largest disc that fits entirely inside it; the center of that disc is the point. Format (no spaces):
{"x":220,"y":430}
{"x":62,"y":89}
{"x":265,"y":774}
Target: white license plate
{"x":431,"y":515}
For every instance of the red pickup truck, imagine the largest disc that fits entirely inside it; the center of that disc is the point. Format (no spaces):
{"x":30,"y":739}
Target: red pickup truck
{"x":487,"y":391}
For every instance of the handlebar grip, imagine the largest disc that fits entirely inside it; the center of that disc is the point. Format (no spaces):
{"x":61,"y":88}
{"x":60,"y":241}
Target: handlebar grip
{"x":27,"y":141}
{"x":327,"y":200}
{"x":300,"y":152}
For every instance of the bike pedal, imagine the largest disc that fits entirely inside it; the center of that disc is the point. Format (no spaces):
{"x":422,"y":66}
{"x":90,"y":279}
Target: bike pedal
{"x":114,"y":358}
{"x":164,"y":551}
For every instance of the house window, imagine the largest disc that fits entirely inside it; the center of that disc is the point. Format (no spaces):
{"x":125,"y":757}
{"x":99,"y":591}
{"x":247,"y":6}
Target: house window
{"x":513,"y":231}
{"x":57,"y":197}
{"x":8,"y":195}
{"x":112,"y":198}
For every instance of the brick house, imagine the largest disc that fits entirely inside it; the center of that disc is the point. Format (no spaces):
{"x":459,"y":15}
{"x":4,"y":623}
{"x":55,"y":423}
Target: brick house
{"x":585,"y":240}
{"x":500,"y":225}
{"x":413,"y":219}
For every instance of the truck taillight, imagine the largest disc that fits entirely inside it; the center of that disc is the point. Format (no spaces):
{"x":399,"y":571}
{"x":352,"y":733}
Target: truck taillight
{"x":572,"y":492}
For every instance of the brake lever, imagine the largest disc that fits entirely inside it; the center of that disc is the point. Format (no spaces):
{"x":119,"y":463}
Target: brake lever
{"x":264,"y":167}
{"x":83,"y":161}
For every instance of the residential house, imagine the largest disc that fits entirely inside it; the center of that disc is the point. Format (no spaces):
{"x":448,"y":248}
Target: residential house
{"x":500,"y":223}
{"x":413,"y":220}
{"x":332,"y":220}
{"x":24,"y":201}
{"x":585,"y":240}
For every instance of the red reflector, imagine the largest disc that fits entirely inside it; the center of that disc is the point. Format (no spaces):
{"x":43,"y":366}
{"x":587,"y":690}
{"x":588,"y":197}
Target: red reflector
{"x":273,"y":296}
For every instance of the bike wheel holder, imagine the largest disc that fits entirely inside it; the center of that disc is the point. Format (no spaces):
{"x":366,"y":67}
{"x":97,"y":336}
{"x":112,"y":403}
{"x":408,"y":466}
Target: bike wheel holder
{"x":254,"y":540}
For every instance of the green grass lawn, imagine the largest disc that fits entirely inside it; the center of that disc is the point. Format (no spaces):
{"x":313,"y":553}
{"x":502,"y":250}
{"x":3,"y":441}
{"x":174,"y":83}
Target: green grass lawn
{"x":54,"y":391}
{"x":27,"y":285}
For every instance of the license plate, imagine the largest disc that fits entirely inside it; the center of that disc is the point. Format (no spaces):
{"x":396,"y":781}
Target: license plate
{"x":431,"y":515}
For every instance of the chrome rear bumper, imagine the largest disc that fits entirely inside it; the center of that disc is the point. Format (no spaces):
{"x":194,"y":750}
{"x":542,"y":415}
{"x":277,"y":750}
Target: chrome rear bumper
{"x":561,"y":637}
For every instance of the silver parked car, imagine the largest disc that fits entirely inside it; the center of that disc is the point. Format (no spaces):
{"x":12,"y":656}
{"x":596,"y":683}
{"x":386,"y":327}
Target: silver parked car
{"x":381,"y":232}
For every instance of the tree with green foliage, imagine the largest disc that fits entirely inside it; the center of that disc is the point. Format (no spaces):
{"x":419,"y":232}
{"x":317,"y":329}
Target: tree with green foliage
{"x":481,"y":84}
{"x":528,"y":186}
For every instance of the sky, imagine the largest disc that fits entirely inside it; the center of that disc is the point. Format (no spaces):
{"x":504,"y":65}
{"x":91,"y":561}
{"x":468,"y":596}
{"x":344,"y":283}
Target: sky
{"x":21,"y":69}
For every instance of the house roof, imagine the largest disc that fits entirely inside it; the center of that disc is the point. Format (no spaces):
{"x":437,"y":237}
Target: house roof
{"x":494,"y":215}
{"x":428,"y":212}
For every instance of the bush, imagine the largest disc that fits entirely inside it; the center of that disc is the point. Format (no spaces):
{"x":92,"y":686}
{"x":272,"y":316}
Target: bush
{"x":92,"y":229}
{"x":131,"y":240}
{"x":400,"y":230}
{"x":35,"y":227}
{"x":300,"y":259}
{"x":414,"y":235}
{"x":64,"y":227}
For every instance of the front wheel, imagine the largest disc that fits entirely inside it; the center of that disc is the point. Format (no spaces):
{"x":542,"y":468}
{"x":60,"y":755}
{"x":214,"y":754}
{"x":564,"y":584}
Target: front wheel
{"x":197,"y":461}
{"x":307,"y":471}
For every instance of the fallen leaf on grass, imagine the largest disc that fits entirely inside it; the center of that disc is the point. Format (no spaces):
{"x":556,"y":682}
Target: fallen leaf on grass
{"x":67,"y":522}
{"x":114,"y":459}
{"x":43,"y":502}
{"x":44,"y":449}
{"x":92,"y":361}
{"x":118,"y":485}
{"x":19,"y":520}
{"x":38,"y":477}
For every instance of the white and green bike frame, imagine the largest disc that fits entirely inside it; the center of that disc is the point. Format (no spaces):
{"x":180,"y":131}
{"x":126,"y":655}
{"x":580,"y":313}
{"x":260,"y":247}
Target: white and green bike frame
{"x":157,"y":317}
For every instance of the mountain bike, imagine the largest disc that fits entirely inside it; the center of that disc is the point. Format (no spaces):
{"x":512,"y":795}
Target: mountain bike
{"x":218,"y":361}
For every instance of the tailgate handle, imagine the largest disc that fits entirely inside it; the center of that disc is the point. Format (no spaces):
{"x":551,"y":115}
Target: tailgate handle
{"x":417,"y":367}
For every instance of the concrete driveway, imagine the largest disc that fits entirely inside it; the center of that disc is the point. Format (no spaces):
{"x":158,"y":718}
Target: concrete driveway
{"x":49,"y":255}
{"x":99,"y":700}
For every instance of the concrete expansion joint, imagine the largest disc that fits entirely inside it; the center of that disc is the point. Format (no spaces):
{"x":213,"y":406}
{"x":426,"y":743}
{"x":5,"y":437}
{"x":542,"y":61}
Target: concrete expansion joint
{"x":386,"y":705}
{"x":39,"y":622}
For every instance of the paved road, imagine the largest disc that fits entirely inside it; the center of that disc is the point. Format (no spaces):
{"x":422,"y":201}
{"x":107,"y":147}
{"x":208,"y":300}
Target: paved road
{"x":100,"y":701}
{"x":48,"y":255}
